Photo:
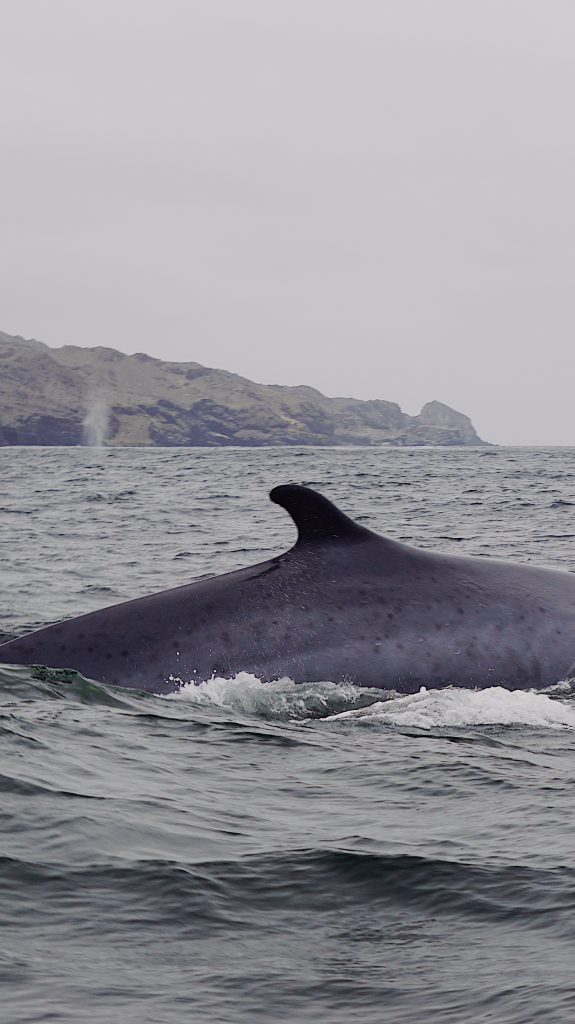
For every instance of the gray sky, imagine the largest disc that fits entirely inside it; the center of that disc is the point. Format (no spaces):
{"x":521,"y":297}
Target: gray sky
{"x":374,"y":197}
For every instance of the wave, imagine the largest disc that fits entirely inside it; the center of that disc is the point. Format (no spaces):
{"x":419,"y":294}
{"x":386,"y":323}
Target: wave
{"x":285,"y":701}
{"x":212,"y":893}
{"x":36,"y":682}
{"x":428,"y":709}
{"x":282,"y":699}
{"x":494,"y":706}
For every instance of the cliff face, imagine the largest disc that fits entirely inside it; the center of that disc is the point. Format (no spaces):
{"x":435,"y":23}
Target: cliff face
{"x":71,"y":395}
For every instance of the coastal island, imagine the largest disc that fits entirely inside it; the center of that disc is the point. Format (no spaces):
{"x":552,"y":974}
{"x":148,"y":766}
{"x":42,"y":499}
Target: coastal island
{"x":74,"y":395}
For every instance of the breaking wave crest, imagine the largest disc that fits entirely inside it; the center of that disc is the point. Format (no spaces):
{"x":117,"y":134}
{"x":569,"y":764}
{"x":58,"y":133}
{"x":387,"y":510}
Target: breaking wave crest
{"x":494,"y":706}
{"x":281,"y":699}
{"x":344,"y":702}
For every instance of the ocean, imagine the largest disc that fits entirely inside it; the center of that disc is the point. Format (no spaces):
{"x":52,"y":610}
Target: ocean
{"x":242,"y":851}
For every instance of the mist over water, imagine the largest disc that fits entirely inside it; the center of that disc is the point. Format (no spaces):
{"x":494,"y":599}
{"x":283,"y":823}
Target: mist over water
{"x":95,"y":424}
{"x":243,"y":851}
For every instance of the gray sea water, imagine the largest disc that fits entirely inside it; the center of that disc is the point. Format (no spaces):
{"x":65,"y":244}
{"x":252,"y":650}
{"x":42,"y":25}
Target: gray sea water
{"x":241,"y":851}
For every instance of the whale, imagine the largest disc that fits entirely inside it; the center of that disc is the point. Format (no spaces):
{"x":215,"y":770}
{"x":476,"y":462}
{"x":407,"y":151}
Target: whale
{"x":343,"y":604}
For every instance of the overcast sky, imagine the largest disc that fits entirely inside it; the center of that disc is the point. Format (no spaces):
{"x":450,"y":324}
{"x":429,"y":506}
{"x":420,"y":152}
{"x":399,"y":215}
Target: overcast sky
{"x":374,"y":197}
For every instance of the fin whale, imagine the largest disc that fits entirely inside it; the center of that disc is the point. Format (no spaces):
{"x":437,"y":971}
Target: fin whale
{"x":343,"y":604}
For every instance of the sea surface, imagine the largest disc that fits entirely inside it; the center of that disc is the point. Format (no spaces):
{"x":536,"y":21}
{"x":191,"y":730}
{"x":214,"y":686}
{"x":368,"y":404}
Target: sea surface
{"x":247,"y":852}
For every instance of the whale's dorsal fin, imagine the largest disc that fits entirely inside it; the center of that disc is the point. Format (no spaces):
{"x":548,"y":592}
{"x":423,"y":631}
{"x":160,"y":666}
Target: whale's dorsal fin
{"x":316,"y":518}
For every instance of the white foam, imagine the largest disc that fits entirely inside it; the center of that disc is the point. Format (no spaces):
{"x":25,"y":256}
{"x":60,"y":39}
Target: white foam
{"x":280,"y":699}
{"x":428,"y":709}
{"x":457,"y":707}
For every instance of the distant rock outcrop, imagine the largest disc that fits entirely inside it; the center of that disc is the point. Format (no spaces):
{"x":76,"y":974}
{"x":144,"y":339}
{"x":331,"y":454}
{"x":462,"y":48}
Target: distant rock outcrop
{"x":72,"y":396}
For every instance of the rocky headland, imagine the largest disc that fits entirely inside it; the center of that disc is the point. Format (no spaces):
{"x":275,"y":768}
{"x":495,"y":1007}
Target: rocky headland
{"x":74,"y":396}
